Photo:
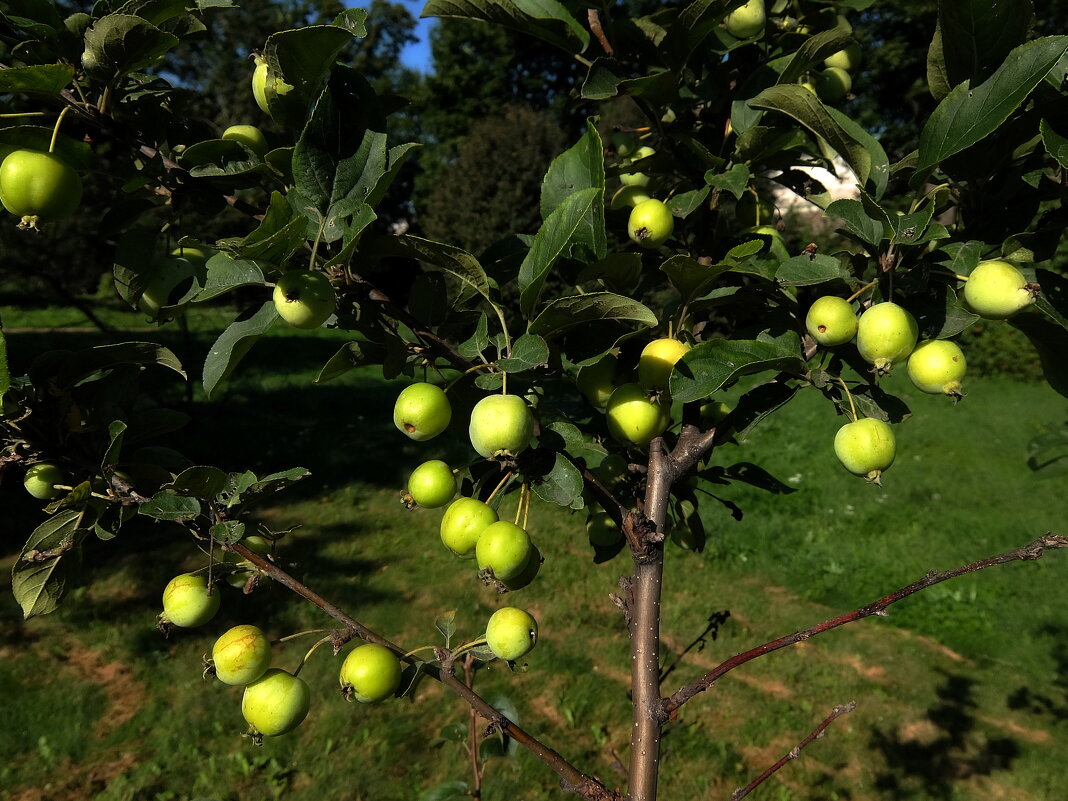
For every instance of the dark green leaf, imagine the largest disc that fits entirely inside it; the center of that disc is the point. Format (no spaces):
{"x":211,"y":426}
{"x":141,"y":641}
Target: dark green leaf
{"x":280,"y":234}
{"x":710,"y":365}
{"x":565,"y":313}
{"x":48,"y":79}
{"x":234,"y":343}
{"x":353,"y":20}
{"x":116,"y":435}
{"x":528,"y":352}
{"x":685,"y":203}
{"x":458,"y":263}
{"x":858,"y":222}
{"x":561,"y":485}
{"x":168,"y":506}
{"x":967,"y":115}
{"x":579,"y":167}
{"x":977,"y":35}
{"x":228,"y":532}
{"x":199,"y":482}
{"x":735,"y":180}
{"x":446,"y":624}
{"x":690,"y":277}
{"x":1055,"y":144}
{"x":5,"y":373}
{"x":547,"y":19}
{"x":106,"y":357}
{"x":350,"y":356}
{"x":121,"y":43}
{"x":38,"y":582}
{"x":807,"y":270}
{"x":814,"y":50}
{"x":937,"y":78}
{"x":224,"y":274}
{"x":297,"y":62}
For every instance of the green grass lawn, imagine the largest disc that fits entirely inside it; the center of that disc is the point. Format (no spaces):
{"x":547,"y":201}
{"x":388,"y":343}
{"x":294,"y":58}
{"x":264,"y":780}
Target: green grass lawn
{"x":962,"y":691}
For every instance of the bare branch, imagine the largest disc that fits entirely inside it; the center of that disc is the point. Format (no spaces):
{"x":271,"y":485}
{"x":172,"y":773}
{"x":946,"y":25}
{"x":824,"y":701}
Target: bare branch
{"x":571,"y":778}
{"x":598,"y":31}
{"x":794,"y":752}
{"x":1027,"y":553}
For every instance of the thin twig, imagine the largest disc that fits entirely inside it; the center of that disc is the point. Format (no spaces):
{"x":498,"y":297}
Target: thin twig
{"x":1028,"y":553}
{"x":795,"y":752}
{"x":571,"y":778}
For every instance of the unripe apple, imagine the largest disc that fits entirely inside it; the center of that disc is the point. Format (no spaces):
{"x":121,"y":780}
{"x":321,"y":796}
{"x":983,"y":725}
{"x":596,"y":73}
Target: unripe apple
{"x":276,"y":703}
{"x":658,"y":360}
{"x":629,"y":197}
{"x":642,"y":152}
{"x":511,"y":633}
{"x":248,"y":135}
{"x":714,"y":411}
{"x":831,"y":321}
{"x":241,"y":655}
{"x":639,"y":179}
{"x":650,"y":224}
{"x":501,"y":425}
{"x":937,"y":366}
{"x":422,"y":411}
{"x":168,"y":283}
{"x":432,"y":484}
{"x":612,"y":468}
{"x":463,"y":522}
{"x":886,"y":335}
{"x":528,"y":573}
{"x":597,"y":381}
{"x":807,"y":84}
{"x":623,"y":143}
{"x":40,"y":479}
{"x":846,"y":59}
{"x":304,"y":299}
{"x":188,"y":601}
{"x":259,"y":85}
{"x":832,"y":85}
{"x":504,"y":548}
{"x":632,"y":418}
{"x":603,"y":531}
{"x":866,"y":447}
{"x":195,"y":256}
{"x":372,"y":672}
{"x":747,"y":21}
{"x":997,"y":290}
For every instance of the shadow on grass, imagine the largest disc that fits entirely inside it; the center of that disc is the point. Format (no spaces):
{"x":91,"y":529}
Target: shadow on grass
{"x":927,"y":760}
{"x":1047,"y":705}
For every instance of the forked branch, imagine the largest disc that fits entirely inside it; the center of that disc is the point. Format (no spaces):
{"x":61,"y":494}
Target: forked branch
{"x":794,"y":752}
{"x":1028,"y":553}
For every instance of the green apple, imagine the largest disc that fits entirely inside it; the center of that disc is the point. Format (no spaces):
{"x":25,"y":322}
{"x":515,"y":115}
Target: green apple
{"x":501,"y":425}
{"x":603,"y":531}
{"x":432,"y":484}
{"x":241,"y":655}
{"x":463,"y":522}
{"x":597,"y":381}
{"x":38,"y":187}
{"x":642,"y":152}
{"x":638,"y":179}
{"x":650,"y":223}
{"x":831,"y":321}
{"x":528,"y":573}
{"x":629,"y":197}
{"x":371,"y":672}
{"x":866,"y":447}
{"x":886,"y":335}
{"x":996,"y":290}
{"x":198,"y":257}
{"x":657,"y":360}
{"x":846,"y":59}
{"x":259,"y":85}
{"x":511,"y":633}
{"x":611,"y":469}
{"x":807,"y":84}
{"x":275,"y":703}
{"x":422,"y":411}
{"x":623,"y":143}
{"x":937,"y":366}
{"x":713,"y":412}
{"x":248,"y":135}
{"x":633,"y":418}
{"x":504,"y":548}
{"x":188,"y":601}
{"x":170,"y":280}
{"x":304,"y":299}
{"x":832,"y":85}
{"x":41,"y":478}
{"x":747,"y":21}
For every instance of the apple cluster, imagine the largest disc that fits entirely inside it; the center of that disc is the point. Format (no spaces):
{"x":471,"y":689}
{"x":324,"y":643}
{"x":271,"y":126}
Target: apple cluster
{"x":500,"y":428}
{"x":886,"y":334}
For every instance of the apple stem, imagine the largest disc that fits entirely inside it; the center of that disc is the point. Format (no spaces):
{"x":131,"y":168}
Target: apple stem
{"x":852,"y":408}
{"x":526,"y":511}
{"x":519,"y":506}
{"x":300,"y":665}
{"x":862,"y":290}
{"x":289,"y":637}
{"x":55,"y":130}
{"x":417,"y":650}
{"x":500,"y":484}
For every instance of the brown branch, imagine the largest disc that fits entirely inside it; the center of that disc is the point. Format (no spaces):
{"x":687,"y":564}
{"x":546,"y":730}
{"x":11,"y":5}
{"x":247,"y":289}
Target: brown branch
{"x":794,"y":752}
{"x":472,"y":731}
{"x":1027,"y":553}
{"x":571,"y":778}
{"x":598,"y":31}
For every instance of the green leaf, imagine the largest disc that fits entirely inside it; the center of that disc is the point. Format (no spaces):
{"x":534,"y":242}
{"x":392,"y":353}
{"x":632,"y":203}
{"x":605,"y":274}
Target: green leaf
{"x":38,"y":583}
{"x":118,"y":44}
{"x":977,"y":35}
{"x":1055,"y":144}
{"x":340,"y":157}
{"x":350,"y":356}
{"x":5,"y":373}
{"x":608,"y":78}
{"x":446,"y":624}
{"x":579,"y":167}
{"x":690,"y":277}
{"x":446,"y":791}
{"x":165,"y":505}
{"x":224,"y":274}
{"x":712,"y":364}
{"x":275,"y":482}
{"x":107,"y":357}
{"x":967,"y":115}
{"x":684,"y":204}
{"x":280,"y":234}
{"x":155,"y":11}
{"x":560,"y":484}
{"x":857,"y":221}
{"x":528,"y":353}
{"x":565,"y":313}
{"x":735,"y":180}
{"x":909,"y":228}
{"x":797,"y":102}
{"x":879,"y":176}
{"x":813,"y":51}
{"x":354,"y":20}
{"x":200,"y":481}
{"x":937,"y":77}
{"x":116,"y":435}
{"x":551,"y":241}
{"x":805,"y":271}
{"x":297,"y":62}
{"x":546,"y":19}
{"x":228,"y":532}
{"x":233,"y":343}
{"x":48,"y":79}
{"x":458,"y":263}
